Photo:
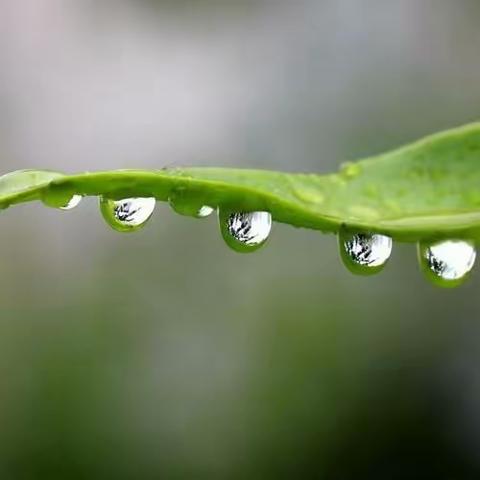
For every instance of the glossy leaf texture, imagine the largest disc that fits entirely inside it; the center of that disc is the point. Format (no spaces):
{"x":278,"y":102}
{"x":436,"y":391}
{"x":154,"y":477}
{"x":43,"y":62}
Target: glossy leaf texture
{"x":429,"y":189}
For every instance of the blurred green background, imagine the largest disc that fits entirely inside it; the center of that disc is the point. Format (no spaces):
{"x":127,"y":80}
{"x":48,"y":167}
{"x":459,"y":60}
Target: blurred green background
{"x":163,"y":354}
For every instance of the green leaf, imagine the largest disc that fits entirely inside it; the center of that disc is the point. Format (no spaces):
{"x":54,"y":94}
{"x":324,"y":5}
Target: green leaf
{"x":24,"y":185}
{"x":428,"y":189}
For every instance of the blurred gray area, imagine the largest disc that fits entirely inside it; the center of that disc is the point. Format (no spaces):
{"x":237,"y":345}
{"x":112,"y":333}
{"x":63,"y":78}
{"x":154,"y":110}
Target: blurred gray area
{"x":165,"y":355}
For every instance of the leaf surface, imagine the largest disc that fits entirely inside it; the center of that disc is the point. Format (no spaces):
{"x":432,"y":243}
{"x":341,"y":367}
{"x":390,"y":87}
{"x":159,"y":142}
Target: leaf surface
{"x":428,"y":189}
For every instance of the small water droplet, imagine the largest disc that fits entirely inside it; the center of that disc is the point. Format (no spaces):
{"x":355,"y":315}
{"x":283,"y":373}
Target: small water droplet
{"x":61,"y":198}
{"x":245,"y":231}
{"x":350,"y":170}
{"x":190,"y":203}
{"x":72,"y":203}
{"x":364,"y":253}
{"x":128,"y":214}
{"x":447,"y":263}
{"x":187,"y":206}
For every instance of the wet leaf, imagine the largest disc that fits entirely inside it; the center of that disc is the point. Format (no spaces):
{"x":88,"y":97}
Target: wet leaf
{"x":428,"y":189}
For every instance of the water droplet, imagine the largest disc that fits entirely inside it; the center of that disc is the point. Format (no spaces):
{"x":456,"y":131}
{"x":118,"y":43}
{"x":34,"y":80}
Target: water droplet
{"x":128,"y":214}
{"x":190,"y":203}
{"x":308,"y":195}
{"x":189,"y":207}
{"x":72,"y":203}
{"x":447,"y":263}
{"x":364,"y":253}
{"x":245,"y":231}
{"x":58,"y":197}
{"x":350,"y":170}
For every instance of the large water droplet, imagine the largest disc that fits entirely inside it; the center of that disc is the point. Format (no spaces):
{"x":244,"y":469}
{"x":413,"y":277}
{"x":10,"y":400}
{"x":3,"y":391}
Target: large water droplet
{"x":245,"y":231}
{"x":72,"y":203}
{"x":447,"y":263}
{"x":364,"y":253}
{"x":128,"y":214}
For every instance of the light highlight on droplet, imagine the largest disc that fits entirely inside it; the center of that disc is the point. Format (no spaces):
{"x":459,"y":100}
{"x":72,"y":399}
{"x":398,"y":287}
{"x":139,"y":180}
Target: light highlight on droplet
{"x":204,"y":211}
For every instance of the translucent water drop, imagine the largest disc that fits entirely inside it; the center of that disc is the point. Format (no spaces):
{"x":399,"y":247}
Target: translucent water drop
{"x":184,"y":205}
{"x":245,"y":231}
{"x":447,"y":263}
{"x":57,"y":197}
{"x":128,"y":214}
{"x":72,"y":203}
{"x":364,"y":253}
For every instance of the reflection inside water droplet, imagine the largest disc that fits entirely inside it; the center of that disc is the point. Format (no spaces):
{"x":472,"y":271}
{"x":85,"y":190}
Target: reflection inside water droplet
{"x":245,"y":231}
{"x":447,"y":262}
{"x":204,"y":211}
{"x":72,"y":203}
{"x":128,"y":214}
{"x":364,"y":253}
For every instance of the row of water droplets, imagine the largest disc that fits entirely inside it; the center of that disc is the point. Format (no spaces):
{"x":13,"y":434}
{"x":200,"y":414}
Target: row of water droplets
{"x":243,"y":231}
{"x":445,"y":262}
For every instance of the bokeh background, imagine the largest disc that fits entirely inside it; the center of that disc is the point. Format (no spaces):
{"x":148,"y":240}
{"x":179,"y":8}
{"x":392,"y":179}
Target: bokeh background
{"x":163,"y":354}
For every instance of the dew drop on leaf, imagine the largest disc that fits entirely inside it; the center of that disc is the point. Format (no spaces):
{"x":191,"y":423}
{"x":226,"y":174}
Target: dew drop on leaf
{"x":128,"y":214}
{"x":447,"y":263}
{"x":364,"y":253}
{"x":189,"y":207}
{"x":58,"y":198}
{"x":350,"y":170}
{"x":72,"y":203}
{"x":245,"y":231}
